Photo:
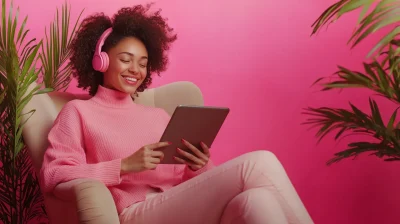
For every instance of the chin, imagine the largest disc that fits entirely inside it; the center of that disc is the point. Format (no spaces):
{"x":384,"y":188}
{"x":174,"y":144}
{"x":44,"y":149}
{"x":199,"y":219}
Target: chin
{"x":128,"y":90}
{"x":131,"y":89}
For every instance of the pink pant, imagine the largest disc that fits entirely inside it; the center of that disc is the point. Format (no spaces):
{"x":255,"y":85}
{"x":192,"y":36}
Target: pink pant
{"x":253,"y":189}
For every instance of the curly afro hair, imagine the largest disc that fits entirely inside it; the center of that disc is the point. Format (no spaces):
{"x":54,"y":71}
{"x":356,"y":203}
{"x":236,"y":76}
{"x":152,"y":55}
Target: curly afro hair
{"x":150,"y":28}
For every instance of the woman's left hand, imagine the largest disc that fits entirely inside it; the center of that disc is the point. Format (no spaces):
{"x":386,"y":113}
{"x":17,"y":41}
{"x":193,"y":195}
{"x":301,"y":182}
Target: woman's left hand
{"x":198,"y":159}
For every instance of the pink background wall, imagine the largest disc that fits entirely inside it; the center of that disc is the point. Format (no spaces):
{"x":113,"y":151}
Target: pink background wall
{"x":257,"y":57}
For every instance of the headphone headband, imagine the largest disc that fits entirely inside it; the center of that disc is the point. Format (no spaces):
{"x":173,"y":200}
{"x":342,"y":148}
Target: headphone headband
{"x":100,"y":59}
{"x":102,"y":39}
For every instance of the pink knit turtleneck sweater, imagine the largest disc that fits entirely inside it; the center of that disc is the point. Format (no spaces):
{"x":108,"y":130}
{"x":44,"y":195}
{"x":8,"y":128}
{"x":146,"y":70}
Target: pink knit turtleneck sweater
{"x":90,"y":137}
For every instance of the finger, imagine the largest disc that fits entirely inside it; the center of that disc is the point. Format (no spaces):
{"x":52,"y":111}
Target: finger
{"x":195,"y":150}
{"x":158,"y":154}
{"x":151,"y":166}
{"x":180,"y":160}
{"x":154,"y":160}
{"x":190,"y":157}
{"x":158,"y":145}
{"x":192,"y":165}
{"x":206,"y":149}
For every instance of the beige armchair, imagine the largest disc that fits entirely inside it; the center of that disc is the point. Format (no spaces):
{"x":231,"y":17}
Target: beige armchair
{"x":89,"y":201}
{"x":85,"y":200}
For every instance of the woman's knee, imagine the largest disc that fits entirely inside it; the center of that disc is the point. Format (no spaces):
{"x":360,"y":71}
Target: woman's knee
{"x":262,"y":156}
{"x":262,"y":159}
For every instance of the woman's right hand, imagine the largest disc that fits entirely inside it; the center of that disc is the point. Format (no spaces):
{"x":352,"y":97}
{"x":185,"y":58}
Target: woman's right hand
{"x":143,"y":159}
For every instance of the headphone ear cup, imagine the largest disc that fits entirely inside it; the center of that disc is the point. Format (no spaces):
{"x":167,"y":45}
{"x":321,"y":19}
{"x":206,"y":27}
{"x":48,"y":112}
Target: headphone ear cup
{"x":105,"y":61}
{"x":97,"y":62}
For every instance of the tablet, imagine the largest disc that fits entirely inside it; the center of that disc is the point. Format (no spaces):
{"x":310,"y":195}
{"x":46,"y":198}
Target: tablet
{"x":195,"y":124}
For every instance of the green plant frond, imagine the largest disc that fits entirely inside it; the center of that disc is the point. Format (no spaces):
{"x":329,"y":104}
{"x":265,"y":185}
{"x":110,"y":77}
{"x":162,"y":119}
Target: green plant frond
{"x":391,"y":129}
{"x":9,"y":26}
{"x":327,"y":15}
{"x":56,"y":50}
{"x":376,"y":115}
{"x":22,"y":33}
{"x":384,"y":13}
{"x":30,"y":59}
{"x":353,"y":5}
{"x":338,"y":9}
{"x":385,"y":82}
{"x":386,"y":40}
{"x":355,"y":121}
{"x":365,"y":8}
{"x":391,"y":59}
{"x":3,"y":25}
{"x":27,"y":50}
{"x":20,"y":196}
{"x":379,"y":12}
{"x":356,"y":148}
{"x":2,"y":95}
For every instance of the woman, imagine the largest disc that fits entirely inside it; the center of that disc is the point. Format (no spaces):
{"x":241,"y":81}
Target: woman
{"x":112,"y":139}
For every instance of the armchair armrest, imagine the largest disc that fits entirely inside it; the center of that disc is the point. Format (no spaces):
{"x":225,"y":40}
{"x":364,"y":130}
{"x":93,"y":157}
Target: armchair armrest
{"x":67,"y":191}
{"x":94,"y":202}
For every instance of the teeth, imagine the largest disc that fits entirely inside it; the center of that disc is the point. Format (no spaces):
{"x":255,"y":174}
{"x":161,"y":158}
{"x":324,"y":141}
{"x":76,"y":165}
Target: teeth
{"x":130,"y":79}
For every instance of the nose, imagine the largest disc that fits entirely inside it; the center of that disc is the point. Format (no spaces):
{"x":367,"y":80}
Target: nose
{"x":134,"y":68}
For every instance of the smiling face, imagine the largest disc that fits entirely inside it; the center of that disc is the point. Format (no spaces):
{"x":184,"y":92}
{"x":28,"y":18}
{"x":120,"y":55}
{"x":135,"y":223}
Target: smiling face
{"x":127,"y":66}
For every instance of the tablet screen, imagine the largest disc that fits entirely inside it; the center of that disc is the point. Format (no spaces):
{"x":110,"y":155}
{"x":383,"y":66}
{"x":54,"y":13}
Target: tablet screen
{"x":195,"y":124}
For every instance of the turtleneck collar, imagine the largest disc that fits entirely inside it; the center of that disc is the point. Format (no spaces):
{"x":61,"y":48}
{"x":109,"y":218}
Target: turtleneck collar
{"x":112,"y":98}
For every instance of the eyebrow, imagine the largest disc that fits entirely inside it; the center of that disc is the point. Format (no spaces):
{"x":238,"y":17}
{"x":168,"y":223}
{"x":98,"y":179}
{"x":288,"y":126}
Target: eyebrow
{"x":143,"y":57}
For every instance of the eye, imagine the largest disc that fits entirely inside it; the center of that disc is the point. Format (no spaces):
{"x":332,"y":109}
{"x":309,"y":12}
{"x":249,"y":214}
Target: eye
{"x":143,"y":66}
{"x":124,"y":61}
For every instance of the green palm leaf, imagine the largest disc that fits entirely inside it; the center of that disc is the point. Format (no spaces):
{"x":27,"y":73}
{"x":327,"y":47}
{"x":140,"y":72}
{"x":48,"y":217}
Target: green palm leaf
{"x":385,"y":13}
{"x":20,"y":200}
{"x":56,"y":51}
{"x":381,"y":77}
{"x":341,"y":121}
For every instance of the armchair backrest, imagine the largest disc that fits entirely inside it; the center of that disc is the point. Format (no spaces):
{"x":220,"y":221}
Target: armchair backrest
{"x":48,"y":106}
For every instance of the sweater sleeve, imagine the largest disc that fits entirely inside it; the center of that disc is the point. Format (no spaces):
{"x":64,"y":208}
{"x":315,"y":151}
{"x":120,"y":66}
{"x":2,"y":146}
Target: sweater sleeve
{"x":65,"y":157}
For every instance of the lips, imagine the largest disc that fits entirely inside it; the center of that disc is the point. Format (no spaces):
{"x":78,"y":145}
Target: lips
{"x":130,"y":80}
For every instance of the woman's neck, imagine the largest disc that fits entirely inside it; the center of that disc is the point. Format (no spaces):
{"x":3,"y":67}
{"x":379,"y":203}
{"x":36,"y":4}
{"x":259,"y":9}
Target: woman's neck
{"x":112,"y":98}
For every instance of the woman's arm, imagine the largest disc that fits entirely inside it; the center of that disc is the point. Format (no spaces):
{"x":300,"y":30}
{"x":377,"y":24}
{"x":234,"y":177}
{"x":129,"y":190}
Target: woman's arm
{"x":65,"y":158}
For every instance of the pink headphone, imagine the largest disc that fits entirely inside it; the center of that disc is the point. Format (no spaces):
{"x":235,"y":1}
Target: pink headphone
{"x":100,"y":59}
